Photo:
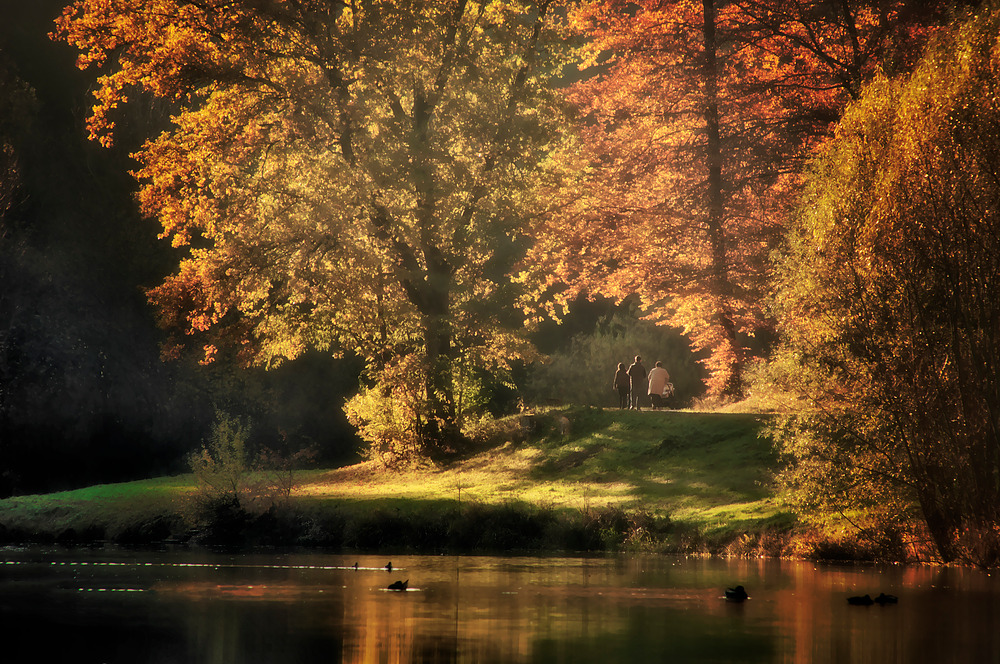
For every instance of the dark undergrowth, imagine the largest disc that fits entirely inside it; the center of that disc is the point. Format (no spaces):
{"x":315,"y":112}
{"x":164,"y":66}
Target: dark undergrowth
{"x":472,"y":527}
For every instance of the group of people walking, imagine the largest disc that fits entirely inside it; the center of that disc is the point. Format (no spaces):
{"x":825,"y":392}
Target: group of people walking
{"x":633,"y":382}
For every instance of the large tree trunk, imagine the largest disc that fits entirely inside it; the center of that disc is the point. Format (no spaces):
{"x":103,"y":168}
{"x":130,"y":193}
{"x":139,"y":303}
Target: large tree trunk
{"x":715,"y":221}
{"x":939,"y":525}
{"x":442,"y":434}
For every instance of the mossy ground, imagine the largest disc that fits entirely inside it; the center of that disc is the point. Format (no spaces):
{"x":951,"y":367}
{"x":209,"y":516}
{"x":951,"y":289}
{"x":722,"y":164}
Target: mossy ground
{"x":668,"y":480}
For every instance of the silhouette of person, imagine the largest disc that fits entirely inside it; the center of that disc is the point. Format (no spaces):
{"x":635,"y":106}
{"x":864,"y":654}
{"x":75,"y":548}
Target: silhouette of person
{"x":637,"y":374}
{"x":623,"y":384}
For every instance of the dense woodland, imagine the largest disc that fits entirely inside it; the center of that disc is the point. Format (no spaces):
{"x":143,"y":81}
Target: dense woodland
{"x":360,"y":225}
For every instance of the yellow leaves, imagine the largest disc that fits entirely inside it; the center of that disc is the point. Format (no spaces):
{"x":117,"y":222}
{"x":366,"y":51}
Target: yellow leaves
{"x":770,"y":61}
{"x":890,"y":237}
{"x":315,"y":205}
{"x":495,"y":12}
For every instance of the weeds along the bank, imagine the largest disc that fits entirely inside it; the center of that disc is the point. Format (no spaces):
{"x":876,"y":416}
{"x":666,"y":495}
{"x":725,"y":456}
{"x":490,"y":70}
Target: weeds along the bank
{"x":472,"y":527}
{"x":507,"y":526}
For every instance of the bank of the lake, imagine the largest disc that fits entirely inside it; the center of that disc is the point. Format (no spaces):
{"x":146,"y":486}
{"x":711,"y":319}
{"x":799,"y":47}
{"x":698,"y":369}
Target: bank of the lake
{"x":564,"y":479}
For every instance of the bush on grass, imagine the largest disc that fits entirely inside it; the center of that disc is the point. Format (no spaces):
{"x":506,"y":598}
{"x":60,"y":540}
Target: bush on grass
{"x":241,"y":496}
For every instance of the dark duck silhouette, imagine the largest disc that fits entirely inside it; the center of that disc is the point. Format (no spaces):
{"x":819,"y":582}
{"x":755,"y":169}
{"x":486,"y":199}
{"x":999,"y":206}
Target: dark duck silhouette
{"x":865,"y":600}
{"x":884,"y":599}
{"x":388,"y":566}
{"x":398,"y":585}
{"x":737,"y":594}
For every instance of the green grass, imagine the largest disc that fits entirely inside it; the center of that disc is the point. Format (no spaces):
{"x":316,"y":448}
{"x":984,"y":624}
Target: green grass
{"x":708,"y":474}
{"x":695,"y":467}
{"x":102,"y":511}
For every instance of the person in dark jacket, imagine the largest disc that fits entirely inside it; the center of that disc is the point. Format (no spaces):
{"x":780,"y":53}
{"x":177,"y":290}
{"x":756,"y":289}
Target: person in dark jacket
{"x":637,"y":386}
{"x":624,"y":386}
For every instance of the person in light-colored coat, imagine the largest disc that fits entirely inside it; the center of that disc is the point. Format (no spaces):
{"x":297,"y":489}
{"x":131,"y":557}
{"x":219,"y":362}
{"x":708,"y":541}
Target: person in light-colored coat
{"x":658,"y":379}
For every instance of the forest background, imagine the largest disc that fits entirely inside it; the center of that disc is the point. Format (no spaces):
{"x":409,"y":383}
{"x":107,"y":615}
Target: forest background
{"x":654,"y":157}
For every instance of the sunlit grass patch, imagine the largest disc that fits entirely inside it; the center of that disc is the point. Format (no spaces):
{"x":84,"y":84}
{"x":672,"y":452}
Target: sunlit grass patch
{"x":672,"y":463}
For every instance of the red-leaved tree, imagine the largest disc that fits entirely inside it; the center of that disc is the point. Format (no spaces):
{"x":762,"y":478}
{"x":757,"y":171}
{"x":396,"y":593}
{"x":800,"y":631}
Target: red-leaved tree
{"x":693,"y":130}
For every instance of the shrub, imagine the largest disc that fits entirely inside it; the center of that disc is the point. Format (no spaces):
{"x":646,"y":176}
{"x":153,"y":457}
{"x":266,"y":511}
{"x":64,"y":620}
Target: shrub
{"x":507,"y":526}
{"x":389,"y":421}
{"x":401,"y":422}
{"x":235,"y":487}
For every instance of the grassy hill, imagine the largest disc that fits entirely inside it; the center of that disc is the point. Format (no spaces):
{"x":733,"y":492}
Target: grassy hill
{"x":666,"y":480}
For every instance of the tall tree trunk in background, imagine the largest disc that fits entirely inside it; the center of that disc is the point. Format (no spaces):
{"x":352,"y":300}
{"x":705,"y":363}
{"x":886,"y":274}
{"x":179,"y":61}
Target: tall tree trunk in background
{"x":715,"y":219}
{"x":443,"y":433}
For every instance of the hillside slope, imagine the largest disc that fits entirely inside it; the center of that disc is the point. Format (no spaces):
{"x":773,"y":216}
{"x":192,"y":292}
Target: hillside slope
{"x":712,"y":470}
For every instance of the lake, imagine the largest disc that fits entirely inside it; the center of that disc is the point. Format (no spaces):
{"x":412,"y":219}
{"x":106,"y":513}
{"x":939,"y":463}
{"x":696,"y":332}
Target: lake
{"x":104,"y":605}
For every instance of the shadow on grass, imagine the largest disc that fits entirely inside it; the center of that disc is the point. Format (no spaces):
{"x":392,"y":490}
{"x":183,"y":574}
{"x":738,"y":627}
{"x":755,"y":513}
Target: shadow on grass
{"x":669,"y":456}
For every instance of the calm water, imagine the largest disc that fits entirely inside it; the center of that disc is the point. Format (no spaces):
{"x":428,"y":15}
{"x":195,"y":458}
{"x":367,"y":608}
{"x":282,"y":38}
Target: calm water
{"x":111,"y":606}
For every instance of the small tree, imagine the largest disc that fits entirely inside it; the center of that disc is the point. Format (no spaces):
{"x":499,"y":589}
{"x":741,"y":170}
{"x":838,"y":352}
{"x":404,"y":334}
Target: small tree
{"x":222,"y":467}
{"x":231,"y":475}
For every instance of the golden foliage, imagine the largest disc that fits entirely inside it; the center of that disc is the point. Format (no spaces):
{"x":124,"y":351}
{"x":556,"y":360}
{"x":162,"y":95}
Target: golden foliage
{"x":889,"y":302}
{"x":351,"y":178}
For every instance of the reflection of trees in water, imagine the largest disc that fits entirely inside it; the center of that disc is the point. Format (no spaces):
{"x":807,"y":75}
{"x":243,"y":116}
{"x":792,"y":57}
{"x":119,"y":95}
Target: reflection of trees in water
{"x":487,"y":609}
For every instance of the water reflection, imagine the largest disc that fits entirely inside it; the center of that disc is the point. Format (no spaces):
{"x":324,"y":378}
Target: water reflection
{"x":100,"y":606}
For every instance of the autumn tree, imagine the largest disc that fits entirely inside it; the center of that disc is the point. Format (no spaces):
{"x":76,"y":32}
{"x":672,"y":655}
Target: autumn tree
{"x":349,"y":176}
{"x":823,"y":52}
{"x":695,"y":128}
{"x":890,"y":307}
